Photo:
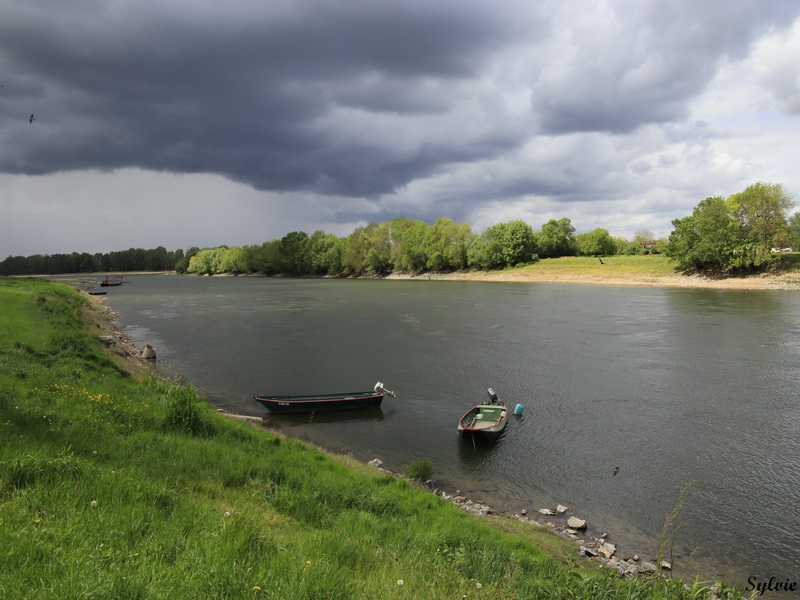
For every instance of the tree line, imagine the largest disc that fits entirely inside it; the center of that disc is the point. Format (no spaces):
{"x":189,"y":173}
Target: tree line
{"x":397,"y":245}
{"x":721,"y":236}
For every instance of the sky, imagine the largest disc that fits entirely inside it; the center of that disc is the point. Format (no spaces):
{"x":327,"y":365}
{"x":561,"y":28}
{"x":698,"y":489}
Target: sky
{"x":182,"y":123}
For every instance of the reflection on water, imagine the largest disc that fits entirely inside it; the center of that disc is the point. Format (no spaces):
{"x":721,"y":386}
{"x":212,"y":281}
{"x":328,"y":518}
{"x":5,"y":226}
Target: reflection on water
{"x":372,"y":413}
{"x":670,"y":385}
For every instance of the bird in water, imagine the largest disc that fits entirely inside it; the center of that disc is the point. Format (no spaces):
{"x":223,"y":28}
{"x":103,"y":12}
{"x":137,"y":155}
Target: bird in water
{"x":31,"y":119}
{"x":616,"y":470}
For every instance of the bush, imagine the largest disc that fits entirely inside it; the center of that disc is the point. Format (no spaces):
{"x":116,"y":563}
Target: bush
{"x":420,"y":470}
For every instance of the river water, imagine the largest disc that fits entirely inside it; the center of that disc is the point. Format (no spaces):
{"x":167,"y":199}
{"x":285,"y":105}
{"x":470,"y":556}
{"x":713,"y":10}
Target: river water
{"x":673,"y":386}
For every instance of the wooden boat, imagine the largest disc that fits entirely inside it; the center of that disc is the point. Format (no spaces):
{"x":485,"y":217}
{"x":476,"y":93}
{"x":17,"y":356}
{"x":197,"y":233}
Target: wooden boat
{"x":487,"y":420}
{"x":321,"y":402}
{"x":111,"y":281}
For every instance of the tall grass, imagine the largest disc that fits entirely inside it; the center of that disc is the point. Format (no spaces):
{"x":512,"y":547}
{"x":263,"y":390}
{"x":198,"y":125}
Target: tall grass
{"x":116,"y":488}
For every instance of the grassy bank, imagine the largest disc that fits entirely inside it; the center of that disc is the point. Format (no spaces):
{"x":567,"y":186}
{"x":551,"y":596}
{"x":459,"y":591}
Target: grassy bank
{"x":114,"y":486}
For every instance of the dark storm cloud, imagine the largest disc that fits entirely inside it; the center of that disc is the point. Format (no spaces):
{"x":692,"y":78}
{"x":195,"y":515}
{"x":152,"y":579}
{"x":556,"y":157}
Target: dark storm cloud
{"x":248,"y":90}
{"x":360,"y":98}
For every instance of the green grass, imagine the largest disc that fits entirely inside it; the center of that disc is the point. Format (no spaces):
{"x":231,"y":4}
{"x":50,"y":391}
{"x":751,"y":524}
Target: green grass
{"x":112,"y":487}
{"x":656,"y":265}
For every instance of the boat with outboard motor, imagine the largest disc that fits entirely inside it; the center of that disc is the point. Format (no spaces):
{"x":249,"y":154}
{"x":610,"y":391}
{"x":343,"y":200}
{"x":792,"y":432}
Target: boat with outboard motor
{"x":320,"y":402}
{"x":487,"y":420}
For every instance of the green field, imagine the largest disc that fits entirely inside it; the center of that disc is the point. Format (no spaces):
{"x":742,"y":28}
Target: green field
{"x":656,"y":265}
{"x":113,"y":487}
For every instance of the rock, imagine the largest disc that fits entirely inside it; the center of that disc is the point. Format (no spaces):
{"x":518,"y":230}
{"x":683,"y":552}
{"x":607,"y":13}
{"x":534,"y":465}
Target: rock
{"x":576,"y":523}
{"x":148,"y":352}
{"x":524,"y":512}
{"x":647,"y":567}
{"x":607,"y":549}
{"x":474,"y":510}
{"x":376,"y":462}
{"x":107,"y":339}
{"x":667,"y":566}
{"x":628,"y":570}
{"x":584,"y":551}
{"x":546,"y":511}
{"x":560,"y":509}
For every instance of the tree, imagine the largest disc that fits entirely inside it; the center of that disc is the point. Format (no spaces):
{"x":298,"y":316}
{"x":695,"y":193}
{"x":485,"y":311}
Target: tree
{"x":293,"y":249}
{"x":794,"y":231}
{"x":644,"y":237}
{"x":709,"y":240}
{"x":412,"y":247}
{"x":503,"y":245}
{"x":761,"y":211}
{"x":556,"y":239}
{"x":323,"y":253}
{"x":596,"y":243}
{"x":235,"y":260}
{"x":446,"y":245}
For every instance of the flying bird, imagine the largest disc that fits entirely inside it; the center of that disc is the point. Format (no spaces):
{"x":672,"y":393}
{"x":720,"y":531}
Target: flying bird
{"x":616,"y":470}
{"x":31,"y":119}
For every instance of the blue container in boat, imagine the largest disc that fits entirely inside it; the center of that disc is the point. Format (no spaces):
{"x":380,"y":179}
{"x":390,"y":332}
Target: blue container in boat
{"x":518,"y":409}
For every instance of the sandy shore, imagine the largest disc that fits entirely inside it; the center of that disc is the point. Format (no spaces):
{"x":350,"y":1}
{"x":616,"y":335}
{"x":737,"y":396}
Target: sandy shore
{"x":786,"y":281}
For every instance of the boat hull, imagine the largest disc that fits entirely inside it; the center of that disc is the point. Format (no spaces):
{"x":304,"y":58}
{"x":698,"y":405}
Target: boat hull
{"x":326,"y":402}
{"x":485,"y":420}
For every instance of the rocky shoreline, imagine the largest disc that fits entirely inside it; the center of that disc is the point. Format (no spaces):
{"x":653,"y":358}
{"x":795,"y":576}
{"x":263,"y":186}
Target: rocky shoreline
{"x":597,"y":549}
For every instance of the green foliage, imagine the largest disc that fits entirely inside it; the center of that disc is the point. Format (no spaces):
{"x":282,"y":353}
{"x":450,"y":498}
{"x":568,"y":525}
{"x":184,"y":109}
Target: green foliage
{"x":556,"y":239}
{"x":445,"y":244}
{"x":503,"y":245}
{"x":420,"y":470}
{"x":595,"y":243}
{"x":732,"y":236}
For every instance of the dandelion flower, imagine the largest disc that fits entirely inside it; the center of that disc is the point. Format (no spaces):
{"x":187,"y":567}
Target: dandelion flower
{"x":308,"y":562}
{"x":93,"y":503}
{"x":256,"y":588}
{"x":478,"y":585}
{"x":400,"y":582}
{"x":227,"y":514}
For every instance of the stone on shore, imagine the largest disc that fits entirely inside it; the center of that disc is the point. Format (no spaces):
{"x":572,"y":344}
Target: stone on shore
{"x":576,"y":523}
{"x":607,"y":549}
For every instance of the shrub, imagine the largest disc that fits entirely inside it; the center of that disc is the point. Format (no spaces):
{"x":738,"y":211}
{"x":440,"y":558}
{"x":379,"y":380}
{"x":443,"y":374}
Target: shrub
{"x":420,"y":470}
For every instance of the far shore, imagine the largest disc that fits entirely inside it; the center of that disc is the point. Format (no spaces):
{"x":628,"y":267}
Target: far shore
{"x":613,"y":277}
{"x":784,"y":281}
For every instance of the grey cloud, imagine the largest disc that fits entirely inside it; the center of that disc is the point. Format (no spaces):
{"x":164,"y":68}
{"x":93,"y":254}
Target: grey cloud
{"x":641,"y":62}
{"x":357,"y":98}
{"x":218,"y":89}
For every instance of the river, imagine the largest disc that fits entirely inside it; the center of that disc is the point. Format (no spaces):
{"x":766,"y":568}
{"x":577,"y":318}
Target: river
{"x":673,"y":386}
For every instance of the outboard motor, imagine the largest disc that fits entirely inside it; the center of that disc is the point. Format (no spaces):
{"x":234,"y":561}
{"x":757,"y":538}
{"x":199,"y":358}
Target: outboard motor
{"x":493,"y":396}
{"x":380,"y":389}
